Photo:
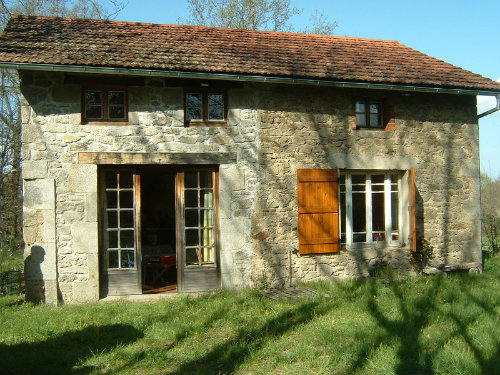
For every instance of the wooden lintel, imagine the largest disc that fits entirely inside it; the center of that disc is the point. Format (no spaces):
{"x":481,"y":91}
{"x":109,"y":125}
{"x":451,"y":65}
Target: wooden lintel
{"x":130,"y":158}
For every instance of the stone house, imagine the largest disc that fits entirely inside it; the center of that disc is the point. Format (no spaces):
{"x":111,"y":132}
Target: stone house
{"x":163,"y":158}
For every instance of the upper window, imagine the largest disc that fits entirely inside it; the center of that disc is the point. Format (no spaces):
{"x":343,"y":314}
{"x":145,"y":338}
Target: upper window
{"x":369,"y":114}
{"x":205,"y":108}
{"x":104,"y":105}
{"x":370,"y":207}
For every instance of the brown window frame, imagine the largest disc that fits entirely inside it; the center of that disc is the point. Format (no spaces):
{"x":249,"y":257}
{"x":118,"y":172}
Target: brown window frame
{"x":105,"y":105}
{"x":367,"y":114}
{"x":204,"y":121}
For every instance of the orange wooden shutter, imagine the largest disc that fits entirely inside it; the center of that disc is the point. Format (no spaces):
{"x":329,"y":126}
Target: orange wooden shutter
{"x":411,"y":209}
{"x":318,"y":211}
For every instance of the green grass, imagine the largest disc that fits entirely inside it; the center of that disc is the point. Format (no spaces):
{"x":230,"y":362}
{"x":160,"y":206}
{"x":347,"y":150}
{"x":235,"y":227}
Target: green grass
{"x":424,"y":325}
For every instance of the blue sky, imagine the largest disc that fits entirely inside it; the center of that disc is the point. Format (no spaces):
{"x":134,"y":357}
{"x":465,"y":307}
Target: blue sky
{"x":462,"y":32}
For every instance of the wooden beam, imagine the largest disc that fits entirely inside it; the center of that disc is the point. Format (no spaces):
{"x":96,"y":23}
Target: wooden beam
{"x":123,"y":158}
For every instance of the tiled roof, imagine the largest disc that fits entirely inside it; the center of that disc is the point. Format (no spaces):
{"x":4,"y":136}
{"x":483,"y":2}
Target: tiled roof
{"x":114,"y":44}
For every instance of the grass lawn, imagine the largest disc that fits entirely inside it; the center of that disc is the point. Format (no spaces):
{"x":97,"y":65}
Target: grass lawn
{"x":425,"y":325}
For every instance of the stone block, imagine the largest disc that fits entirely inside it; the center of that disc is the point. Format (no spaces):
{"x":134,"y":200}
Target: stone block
{"x":82,"y":178}
{"x":49,"y":226}
{"x":225,"y":205}
{"x":233,"y":233}
{"x":31,"y":133}
{"x":85,"y":291}
{"x":231,"y":178}
{"x":85,"y":237}
{"x":33,"y":169}
{"x":39,"y":194}
{"x":91,"y":207}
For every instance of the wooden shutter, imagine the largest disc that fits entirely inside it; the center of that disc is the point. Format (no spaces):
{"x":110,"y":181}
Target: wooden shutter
{"x":318,"y":205}
{"x":411,"y":209}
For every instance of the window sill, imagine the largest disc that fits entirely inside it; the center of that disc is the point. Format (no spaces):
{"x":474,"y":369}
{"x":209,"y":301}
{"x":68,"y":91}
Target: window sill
{"x":373,"y":245}
{"x":373,"y":133}
{"x":206,"y":123}
{"x":105,"y":123}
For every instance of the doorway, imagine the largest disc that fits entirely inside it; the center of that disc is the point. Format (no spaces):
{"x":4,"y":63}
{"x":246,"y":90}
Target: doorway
{"x":159,"y":230}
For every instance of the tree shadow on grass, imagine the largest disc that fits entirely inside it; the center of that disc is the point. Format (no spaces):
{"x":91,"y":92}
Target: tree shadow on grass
{"x":60,"y":354}
{"x":226,"y":357}
{"x":415,"y":314}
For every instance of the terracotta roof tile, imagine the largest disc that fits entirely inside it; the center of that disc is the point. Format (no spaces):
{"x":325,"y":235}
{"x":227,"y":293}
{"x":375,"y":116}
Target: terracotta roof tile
{"x":115,"y":44}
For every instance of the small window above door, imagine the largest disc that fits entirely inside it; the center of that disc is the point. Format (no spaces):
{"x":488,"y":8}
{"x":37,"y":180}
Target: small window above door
{"x":205,"y":108}
{"x":102,"y":105}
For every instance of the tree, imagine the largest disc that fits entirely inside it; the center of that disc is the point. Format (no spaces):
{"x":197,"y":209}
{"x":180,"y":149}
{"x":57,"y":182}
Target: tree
{"x":490,"y":207}
{"x":272,"y":15}
{"x":10,"y":100}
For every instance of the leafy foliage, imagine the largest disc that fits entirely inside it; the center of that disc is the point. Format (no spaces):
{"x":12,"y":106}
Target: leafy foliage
{"x":490,"y":206}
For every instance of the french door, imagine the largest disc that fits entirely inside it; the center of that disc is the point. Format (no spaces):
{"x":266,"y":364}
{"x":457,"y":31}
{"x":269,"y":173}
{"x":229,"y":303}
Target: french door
{"x":197,"y":210}
{"x":195,"y":198}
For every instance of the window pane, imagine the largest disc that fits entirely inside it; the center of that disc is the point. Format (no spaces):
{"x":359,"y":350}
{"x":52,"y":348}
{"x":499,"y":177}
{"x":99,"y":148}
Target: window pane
{"x":127,"y":259}
{"x":111,"y":200}
{"x":127,"y":239}
{"x":191,"y":198}
{"x":112,"y":221}
{"x":194,"y":107}
{"x":93,"y":104}
{"x":360,"y":107}
{"x":190,"y":180}
{"x":126,"y":219}
{"x":206,"y":198}
{"x":126,"y":180}
{"x":359,"y":237}
{"x":111,"y":178}
{"x":207,"y":237}
{"x":207,"y":218}
{"x":93,"y":98}
{"x":116,"y":97}
{"x":378,"y":178}
{"x":192,"y":238}
{"x":191,"y":218}
{"x":93,"y":112}
{"x":342,"y":217}
{"x":374,"y":108}
{"x":360,"y":120}
{"x":207,"y":255}
{"x":113,"y":259}
{"x":359,"y":212}
{"x":358,"y":178}
{"x":126,"y":199}
{"x":206,"y":179}
{"x":192,"y":257}
{"x":394,"y":211}
{"x":375,"y":120}
{"x":378,"y":212}
{"x":215,"y":107}
{"x":116,"y":113}
{"x":112,"y":239}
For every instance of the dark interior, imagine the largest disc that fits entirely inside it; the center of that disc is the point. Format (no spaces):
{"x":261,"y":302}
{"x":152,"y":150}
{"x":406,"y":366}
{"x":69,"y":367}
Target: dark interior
{"x":159,"y":272}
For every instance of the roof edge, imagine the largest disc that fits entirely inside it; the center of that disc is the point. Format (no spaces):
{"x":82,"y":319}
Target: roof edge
{"x":245,"y":78}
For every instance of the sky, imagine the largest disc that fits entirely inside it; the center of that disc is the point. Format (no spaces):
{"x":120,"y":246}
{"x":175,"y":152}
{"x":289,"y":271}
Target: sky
{"x":464,"y":33}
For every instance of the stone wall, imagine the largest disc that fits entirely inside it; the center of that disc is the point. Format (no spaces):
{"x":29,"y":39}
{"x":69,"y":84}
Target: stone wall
{"x":311,"y":128}
{"x":273,"y":130}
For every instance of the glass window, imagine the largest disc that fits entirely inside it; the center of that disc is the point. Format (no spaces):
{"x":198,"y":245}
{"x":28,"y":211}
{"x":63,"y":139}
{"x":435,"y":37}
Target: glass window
{"x":368,"y":114}
{"x":369,"y":207}
{"x":204,"y":107}
{"x":199,"y":218}
{"x":105,"y":105}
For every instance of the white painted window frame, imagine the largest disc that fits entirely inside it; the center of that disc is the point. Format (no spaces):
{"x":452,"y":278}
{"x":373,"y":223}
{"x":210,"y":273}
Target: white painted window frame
{"x":368,"y":203}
